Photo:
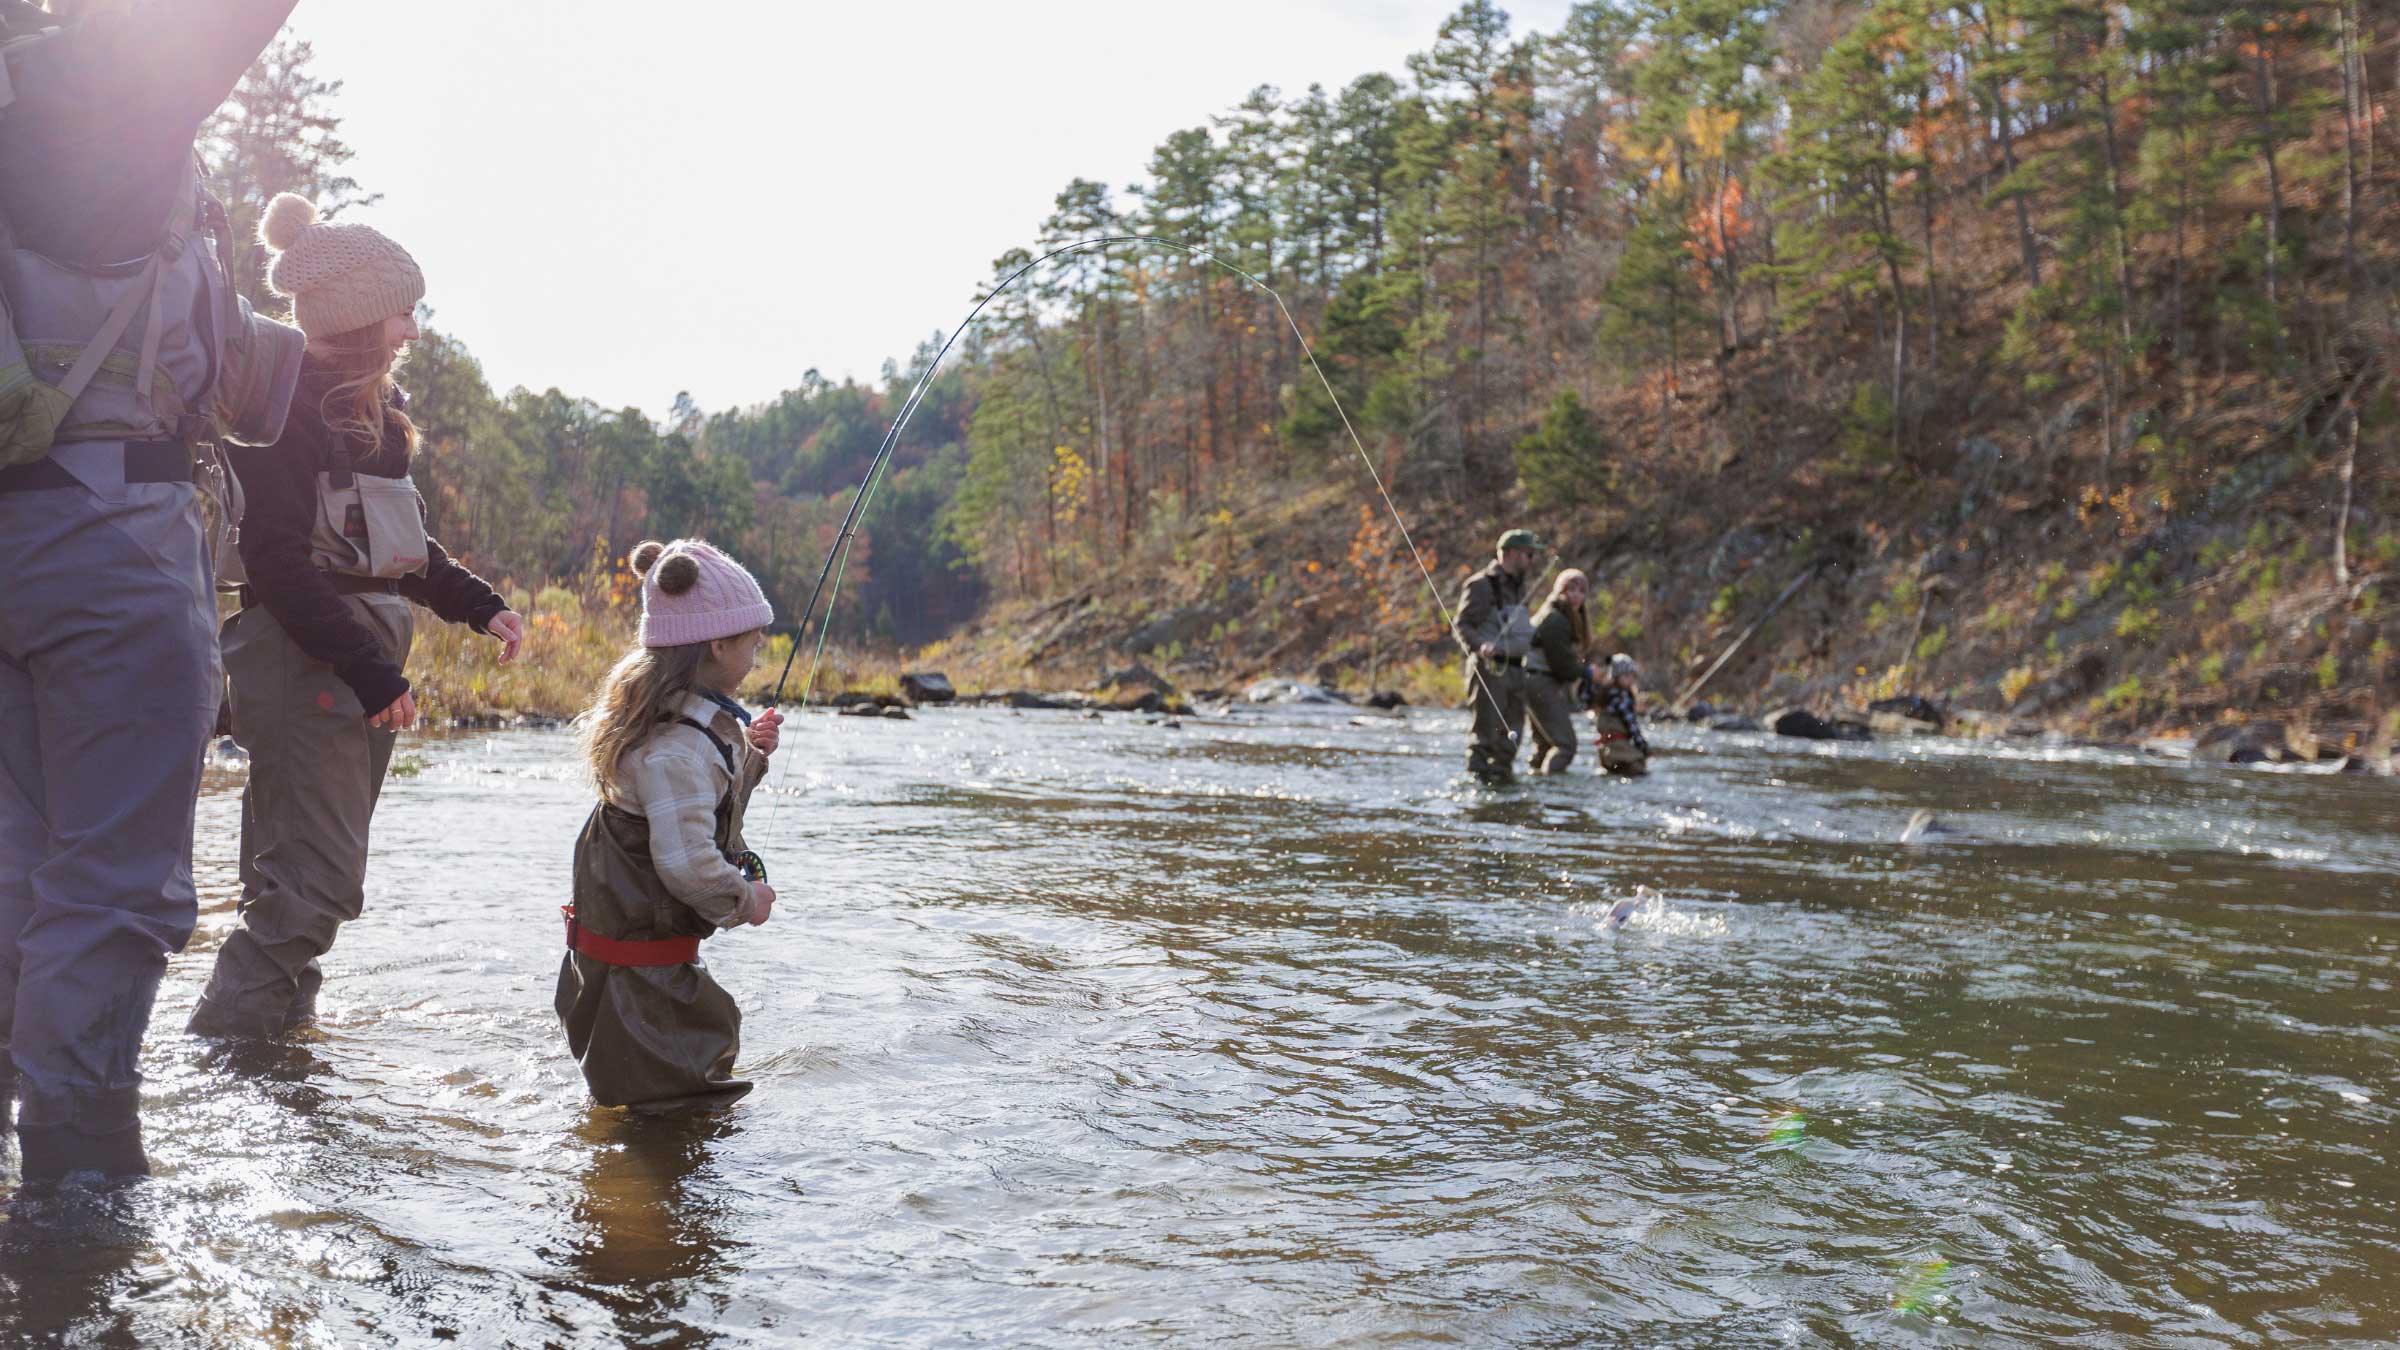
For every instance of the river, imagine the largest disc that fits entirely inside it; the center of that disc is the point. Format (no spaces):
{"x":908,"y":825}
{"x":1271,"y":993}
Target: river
{"x":1272,"y":1030}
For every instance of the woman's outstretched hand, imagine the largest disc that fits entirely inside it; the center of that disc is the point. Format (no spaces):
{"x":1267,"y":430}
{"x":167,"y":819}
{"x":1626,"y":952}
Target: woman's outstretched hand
{"x":509,"y":627}
{"x":766,"y":731}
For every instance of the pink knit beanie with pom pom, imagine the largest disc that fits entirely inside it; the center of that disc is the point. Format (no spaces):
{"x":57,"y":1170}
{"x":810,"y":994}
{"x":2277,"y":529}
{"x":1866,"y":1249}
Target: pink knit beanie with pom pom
{"x":692,"y":593}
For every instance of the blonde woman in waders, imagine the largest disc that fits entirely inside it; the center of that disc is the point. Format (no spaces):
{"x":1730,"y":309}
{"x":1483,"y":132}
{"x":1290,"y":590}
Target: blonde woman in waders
{"x":1556,"y":670}
{"x":332,"y":552}
{"x":661,"y":863}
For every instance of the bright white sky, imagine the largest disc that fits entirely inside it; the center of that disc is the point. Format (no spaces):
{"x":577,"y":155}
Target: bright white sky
{"x":623,"y":200}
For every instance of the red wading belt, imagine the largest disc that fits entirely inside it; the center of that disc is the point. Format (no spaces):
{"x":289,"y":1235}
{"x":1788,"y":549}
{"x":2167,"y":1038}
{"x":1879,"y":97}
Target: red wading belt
{"x":1606,"y":736}
{"x":620,"y":952}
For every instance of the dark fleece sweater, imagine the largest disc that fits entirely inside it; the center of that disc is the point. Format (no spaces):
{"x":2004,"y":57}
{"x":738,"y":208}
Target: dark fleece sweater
{"x":279,"y":491}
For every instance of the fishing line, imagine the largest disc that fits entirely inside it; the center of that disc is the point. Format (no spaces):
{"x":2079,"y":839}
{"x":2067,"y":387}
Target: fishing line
{"x":837,"y":557}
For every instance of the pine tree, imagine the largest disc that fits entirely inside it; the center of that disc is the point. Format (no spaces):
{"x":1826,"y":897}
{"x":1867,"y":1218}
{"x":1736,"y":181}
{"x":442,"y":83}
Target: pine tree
{"x":278,"y":133}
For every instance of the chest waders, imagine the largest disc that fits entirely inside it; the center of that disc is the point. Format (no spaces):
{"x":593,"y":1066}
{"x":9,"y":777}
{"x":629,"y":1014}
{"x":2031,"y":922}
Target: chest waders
{"x":648,"y":1023}
{"x":115,"y":383}
{"x":316,"y":766}
{"x":1496,"y":685}
{"x":1614,"y":740}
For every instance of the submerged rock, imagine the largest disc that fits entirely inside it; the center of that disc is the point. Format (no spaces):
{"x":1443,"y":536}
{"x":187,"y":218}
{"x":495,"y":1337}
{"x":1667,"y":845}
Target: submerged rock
{"x":1026,"y":698}
{"x":1911,"y":708}
{"x":927,"y":687}
{"x":2253,"y":743}
{"x":1137,"y":676}
{"x":1806,"y":725}
{"x":1386,"y":700}
{"x":1736,"y":722}
{"x":1290,"y":691}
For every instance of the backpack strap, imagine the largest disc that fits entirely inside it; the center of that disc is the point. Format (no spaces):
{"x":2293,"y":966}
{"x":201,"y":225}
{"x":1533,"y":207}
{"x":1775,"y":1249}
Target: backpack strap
{"x":151,"y":287}
{"x":170,"y":248}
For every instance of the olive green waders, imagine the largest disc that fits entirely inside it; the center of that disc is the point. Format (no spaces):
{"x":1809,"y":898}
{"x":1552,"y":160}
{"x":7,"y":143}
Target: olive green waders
{"x":1496,"y":697}
{"x":316,"y":770}
{"x":650,"y":1026}
{"x":1550,"y":716}
{"x":1618,"y":753}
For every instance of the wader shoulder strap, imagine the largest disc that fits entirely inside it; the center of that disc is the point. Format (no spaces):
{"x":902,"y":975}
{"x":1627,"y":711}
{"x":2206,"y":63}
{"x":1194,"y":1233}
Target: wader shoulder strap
{"x":724,"y":751}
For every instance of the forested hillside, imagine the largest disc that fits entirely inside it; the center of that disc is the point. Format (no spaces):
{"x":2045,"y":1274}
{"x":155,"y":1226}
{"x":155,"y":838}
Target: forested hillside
{"x":2051,"y":342}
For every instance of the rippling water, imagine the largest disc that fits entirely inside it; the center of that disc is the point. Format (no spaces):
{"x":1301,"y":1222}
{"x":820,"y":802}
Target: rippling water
{"x":1277,"y":1032}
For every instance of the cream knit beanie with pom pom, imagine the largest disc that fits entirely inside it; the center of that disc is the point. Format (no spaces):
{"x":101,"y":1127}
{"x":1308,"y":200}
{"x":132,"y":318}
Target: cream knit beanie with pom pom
{"x":339,"y":277}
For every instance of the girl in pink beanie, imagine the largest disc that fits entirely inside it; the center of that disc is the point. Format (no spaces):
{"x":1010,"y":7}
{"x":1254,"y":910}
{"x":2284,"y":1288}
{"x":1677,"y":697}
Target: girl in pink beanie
{"x":661,"y":863}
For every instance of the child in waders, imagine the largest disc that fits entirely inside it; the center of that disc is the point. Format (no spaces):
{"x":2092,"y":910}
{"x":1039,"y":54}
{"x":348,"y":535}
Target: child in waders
{"x":333,"y":561}
{"x":661,"y":864}
{"x":1623,"y":750}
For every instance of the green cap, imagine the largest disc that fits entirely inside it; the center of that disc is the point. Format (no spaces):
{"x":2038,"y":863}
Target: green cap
{"x":1520,"y":539}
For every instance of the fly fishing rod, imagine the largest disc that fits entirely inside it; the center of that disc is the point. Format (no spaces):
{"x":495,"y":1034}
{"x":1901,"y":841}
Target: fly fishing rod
{"x":837,"y":556}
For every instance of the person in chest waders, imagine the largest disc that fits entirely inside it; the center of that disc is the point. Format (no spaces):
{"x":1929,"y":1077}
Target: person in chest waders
{"x":126,"y":358}
{"x":661,"y":862}
{"x":1617,"y":731}
{"x":1557,"y":671}
{"x":332,"y":552}
{"x":1497,"y":632}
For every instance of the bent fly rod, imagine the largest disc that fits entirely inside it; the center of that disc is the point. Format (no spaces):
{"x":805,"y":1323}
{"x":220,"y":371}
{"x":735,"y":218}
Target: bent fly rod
{"x":837,"y":557}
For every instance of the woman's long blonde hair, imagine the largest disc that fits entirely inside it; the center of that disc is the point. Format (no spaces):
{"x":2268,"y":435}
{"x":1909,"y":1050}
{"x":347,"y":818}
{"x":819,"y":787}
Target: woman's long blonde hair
{"x":357,"y":408}
{"x":645,"y":687}
{"x":1583,"y":623}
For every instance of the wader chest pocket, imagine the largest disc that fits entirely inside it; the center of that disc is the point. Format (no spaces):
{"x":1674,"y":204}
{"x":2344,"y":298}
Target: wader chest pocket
{"x":373,"y":527}
{"x":1516,"y":633}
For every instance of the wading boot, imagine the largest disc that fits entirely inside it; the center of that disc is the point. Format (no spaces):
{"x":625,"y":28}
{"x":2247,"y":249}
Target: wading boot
{"x":304,"y":1003}
{"x":1490,"y":772}
{"x":90,"y":1137}
{"x":62,"y":1153}
{"x":248,"y":996}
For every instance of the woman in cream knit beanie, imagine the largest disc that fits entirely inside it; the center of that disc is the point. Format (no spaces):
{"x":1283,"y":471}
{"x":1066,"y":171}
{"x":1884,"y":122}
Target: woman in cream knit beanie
{"x":339,"y":277}
{"x":338,"y":567}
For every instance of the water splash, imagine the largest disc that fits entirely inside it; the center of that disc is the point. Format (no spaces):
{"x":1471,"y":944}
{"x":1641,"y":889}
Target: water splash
{"x":1924,"y":1289}
{"x":1644,"y":900}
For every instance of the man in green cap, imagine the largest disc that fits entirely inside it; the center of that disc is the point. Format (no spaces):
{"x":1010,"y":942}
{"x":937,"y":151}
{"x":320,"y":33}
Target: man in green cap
{"x":1496,"y":630}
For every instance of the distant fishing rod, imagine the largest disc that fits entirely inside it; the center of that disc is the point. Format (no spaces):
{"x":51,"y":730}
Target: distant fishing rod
{"x":838,"y":555}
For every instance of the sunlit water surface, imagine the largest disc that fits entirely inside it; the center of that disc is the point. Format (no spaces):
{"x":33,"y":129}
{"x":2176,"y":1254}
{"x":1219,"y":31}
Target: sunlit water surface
{"x":1276,"y":1031}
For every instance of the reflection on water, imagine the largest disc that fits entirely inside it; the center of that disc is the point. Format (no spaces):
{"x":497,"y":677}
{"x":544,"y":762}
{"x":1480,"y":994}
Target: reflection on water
{"x":1282,"y":1032}
{"x":652,"y":1224}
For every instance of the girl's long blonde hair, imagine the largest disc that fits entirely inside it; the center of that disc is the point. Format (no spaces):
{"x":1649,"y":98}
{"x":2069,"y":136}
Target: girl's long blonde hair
{"x":357,"y":408}
{"x":645,"y":687}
